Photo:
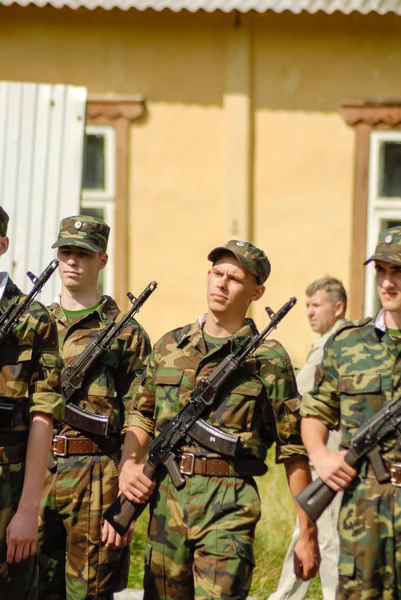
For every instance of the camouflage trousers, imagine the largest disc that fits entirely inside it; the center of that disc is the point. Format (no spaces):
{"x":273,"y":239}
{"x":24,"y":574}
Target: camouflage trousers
{"x":73,"y":561}
{"x":200,"y":542}
{"x":370,"y":542}
{"x":18,"y":581}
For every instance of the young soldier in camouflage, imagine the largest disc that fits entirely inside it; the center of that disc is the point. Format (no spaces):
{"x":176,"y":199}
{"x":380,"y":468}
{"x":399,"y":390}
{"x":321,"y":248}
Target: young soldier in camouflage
{"x":74,"y":562}
{"x":201,"y":536}
{"x":359,"y":375}
{"x":30,"y":367}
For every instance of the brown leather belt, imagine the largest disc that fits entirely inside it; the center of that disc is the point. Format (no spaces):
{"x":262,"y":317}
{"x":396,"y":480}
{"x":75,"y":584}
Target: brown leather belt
{"x":64,"y":446}
{"x":190,"y":464}
{"x":12,"y":454}
{"x":394,"y":471}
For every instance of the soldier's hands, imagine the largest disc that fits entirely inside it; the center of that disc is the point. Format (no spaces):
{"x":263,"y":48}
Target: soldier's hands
{"x":134,"y":484}
{"x":306,"y":554}
{"x":21,"y":536}
{"x":111,"y":538}
{"x":333,"y":469}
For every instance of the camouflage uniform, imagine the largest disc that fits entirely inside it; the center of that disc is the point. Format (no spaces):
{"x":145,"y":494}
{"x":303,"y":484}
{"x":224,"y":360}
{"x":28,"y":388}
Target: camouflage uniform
{"x":361,"y":373}
{"x":74,"y":563}
{"x":201,"y":536}
{"x":30,"y":367}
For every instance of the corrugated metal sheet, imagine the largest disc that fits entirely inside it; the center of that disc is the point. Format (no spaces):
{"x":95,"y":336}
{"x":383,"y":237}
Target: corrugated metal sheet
{"x":294,"y":6}
{"x":41,"y":147}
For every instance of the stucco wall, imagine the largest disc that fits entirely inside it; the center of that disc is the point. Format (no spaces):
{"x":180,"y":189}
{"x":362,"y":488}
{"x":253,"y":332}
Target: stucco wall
{"x":299,"y":171}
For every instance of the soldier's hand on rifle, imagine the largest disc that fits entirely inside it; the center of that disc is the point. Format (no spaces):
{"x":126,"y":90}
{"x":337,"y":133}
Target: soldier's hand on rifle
{"x":111,"y":538}
{"x":134,"y":484}
{"x":333,"y":469}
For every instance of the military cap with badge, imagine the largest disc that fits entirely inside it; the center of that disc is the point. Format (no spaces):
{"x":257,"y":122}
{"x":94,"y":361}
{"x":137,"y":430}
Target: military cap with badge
{"x":252,"y":258}
{"x":388,"y":248}
{"x":85,"y":232}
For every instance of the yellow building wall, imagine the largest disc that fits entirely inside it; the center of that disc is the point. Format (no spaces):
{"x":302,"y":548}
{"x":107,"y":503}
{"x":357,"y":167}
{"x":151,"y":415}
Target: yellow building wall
{"x":242,"y":137}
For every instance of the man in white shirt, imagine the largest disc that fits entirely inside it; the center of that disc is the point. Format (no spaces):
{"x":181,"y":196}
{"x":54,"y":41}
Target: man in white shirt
{"x":326,"y":303}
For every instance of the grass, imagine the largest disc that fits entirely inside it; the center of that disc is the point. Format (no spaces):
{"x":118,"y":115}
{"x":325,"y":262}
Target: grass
{"x":273,"y":535}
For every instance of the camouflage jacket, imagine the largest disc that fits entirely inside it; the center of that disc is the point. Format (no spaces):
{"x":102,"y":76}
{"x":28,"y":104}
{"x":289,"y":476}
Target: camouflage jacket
{"x":261,"y":405}
{"x":109,"y":387}
{"x":30,"y":365}
{"x":360,"y":373}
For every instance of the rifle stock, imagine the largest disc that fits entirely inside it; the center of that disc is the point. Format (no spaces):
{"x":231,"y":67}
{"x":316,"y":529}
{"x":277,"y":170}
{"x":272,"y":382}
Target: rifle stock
{"x":123,"y":512}
{"x":318,"y":495}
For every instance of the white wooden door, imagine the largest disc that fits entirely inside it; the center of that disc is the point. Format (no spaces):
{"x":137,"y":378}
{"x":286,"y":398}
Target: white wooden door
{"x":41,"y":152}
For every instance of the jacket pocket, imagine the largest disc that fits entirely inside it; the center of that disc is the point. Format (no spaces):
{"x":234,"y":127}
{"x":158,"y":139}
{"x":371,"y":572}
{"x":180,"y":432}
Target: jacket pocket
{"x":168,"y":382}
{"x":235,"y":409}
{"x":361,"y":396}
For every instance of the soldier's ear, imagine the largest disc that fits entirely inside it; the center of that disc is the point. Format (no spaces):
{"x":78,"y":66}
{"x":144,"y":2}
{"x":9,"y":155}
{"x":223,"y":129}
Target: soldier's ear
{"x":4,"y":242}
{"x":103,"y":260}
{"x":258,"y":293}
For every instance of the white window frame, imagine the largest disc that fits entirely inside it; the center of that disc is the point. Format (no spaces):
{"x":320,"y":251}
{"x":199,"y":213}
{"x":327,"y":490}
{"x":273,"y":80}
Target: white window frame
{"x":380,"y":210}
{"x":105,"y":198}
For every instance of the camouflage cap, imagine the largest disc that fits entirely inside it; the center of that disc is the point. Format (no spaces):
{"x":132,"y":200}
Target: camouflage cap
{"x":388,"y":247}
{"x":4,"y":218}
{"x":252,"y":259}
{"x":85,"y":232}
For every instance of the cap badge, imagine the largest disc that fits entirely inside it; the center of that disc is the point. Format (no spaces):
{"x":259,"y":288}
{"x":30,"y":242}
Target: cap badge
{"x":78,"y":224}
{"x":388,"y":239}
{"x":240,"y":244}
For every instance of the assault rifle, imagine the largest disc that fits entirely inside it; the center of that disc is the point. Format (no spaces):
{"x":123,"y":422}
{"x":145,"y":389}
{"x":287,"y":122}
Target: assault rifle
{"x":11,"y":316}
{"x":162,"y":450}
{"x":365,"y":442}
{"x":73,"y":376}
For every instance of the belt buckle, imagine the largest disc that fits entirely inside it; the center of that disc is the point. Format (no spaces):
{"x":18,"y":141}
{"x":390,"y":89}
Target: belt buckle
{"x":65,"y":443}
{"x":395,"y":474}
{"x":187,"y":470}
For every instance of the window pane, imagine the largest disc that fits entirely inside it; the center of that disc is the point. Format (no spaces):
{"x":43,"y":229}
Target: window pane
{"x":94,"y":176}
{"x":390,"y":169}
{"x":98,"y":213}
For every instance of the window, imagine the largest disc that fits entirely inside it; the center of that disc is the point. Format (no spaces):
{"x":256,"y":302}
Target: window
{"x":377,"y":192}
{"x":108,"y":172}
{"x":384,"y":199}
{"x":99,"y":189}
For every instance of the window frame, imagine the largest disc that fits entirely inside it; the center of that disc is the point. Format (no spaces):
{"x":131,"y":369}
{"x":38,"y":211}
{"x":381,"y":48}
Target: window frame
{"x":365,"y":117}
{"x":381,"y":209}
{"x":119,"y":112}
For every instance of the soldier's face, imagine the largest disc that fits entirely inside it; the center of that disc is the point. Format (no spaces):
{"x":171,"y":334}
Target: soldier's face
{"x":231,"y":289}
{"x":388,"y":281}
{"x":79,"y":268}
{"x":321,"y":311}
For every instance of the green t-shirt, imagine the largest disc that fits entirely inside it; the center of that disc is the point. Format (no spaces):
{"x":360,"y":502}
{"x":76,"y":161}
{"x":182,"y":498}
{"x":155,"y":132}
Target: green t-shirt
{"x":84,"y":312}
{"x":212,"y":342}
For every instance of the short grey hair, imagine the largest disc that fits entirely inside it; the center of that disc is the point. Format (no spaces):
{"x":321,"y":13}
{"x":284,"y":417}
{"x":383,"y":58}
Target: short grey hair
{"x":333,"y":288}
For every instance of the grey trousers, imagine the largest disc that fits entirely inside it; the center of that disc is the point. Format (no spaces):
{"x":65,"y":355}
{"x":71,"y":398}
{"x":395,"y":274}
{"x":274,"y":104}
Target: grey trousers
{"x":295,"y":589}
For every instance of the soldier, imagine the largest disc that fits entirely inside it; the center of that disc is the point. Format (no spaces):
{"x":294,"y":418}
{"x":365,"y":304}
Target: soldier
{"x":201,"y":536}
{"x":74,"y":563}
{"x":360,"y":374}
{"x":30,"y":367}
{"x":326,"y":303}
